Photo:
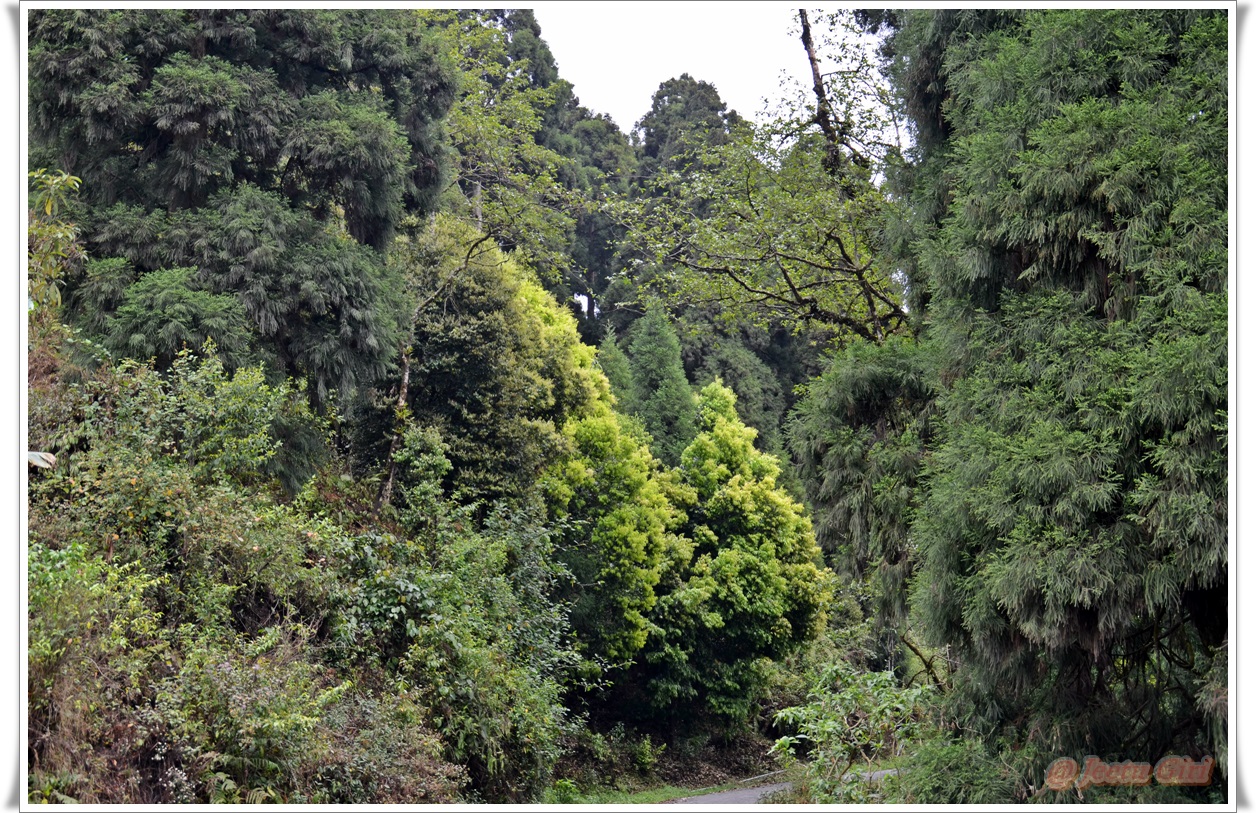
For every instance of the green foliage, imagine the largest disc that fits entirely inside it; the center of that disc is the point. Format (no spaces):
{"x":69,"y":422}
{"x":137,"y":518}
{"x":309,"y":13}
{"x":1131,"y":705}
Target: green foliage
{"x":685,"y":115}
{"x":514,"y":544}
{"x":760,"y":231}
{"x":95,"y":646}
{"x":712,"y":354}
{"x":458,"y":615}
{"x":247,"y":710}
{"x":609,"y":490}
{"x":377,"y":749}
{"x":162,"y":313}
{"x":53,"y":248}
{"x":175,"y":607}
{"x":487,"y":665}
{"x":858,"y":435}
{"x":322,"y":307}
{"x":851,"y":717}
{"x":953,"y":770}
{"x":499,"y":366}
{"x":195,"y":101}
{"x":615,"y":365}
{"x":59,"y":584}
{"x":274,"y":151}
{"x":508,"y":181}
{"x":173,"y":472}
{"x":782,"y":223}
{"x":742,"y":585}
{"x":1068,"y":240}
{"x":662,"y":397}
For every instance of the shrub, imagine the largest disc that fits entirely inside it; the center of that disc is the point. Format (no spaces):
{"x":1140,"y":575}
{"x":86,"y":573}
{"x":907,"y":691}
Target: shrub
{"x":377,"y":749}
{"x":245,"y":711}
{"x":851,"y":718}
{"x":947,"y":770}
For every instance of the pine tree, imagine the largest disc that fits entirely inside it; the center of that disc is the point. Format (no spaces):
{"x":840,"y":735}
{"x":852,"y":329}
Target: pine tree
{"x":664,"y":401}
{"x":618,"y":370}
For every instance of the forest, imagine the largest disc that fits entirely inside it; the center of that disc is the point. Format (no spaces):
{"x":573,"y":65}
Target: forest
{"x":400,"y":430}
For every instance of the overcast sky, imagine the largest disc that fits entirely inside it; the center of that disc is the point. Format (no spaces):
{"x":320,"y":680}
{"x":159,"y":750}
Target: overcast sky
{"x":617,"y":53}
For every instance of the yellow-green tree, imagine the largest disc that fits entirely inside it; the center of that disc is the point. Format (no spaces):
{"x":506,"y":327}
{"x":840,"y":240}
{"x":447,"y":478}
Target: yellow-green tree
{"x":745,"y":582}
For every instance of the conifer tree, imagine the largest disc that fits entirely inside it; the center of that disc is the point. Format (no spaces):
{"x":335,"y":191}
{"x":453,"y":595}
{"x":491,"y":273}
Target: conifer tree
{"x":618,"y":370}
{"x":273,"y":151}
{"x":664,"y":401}
{"x":686,"y":114}
{"x":1059,"y":446}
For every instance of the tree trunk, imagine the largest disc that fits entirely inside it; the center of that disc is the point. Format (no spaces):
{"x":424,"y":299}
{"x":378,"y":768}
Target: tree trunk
{"x":403,"y":395}
{"x":834,"y":132}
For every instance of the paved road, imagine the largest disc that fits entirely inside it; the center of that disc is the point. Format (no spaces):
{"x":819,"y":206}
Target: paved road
{"x":738,"y":796}
{"x":751,"y":796}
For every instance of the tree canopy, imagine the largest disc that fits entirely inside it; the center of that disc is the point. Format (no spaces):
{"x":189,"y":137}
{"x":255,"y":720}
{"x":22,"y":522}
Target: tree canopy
{"x":1047,"y":466}
{"x":403,"y":431}
{"x":249,"y":145}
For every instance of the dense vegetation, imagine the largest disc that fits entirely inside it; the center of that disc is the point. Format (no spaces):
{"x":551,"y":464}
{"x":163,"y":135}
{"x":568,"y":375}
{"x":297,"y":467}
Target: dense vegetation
{"x":894,"y":428}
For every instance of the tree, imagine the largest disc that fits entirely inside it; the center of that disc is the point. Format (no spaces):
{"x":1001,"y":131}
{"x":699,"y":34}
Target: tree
{"x":685,"y":115}
{"x":663,"y":399}
{"x":533,"y":165}
{"x":745,"y":582}
{"x":53,"y":249}
{"x":759,"y":230}
{"x":163,"y":313}
{"x":497,"y":366}
{"x":710,"y":352}
{"x":507,"y":181}
{"x":859,"y":436}
{"x":272,"y":150}
{"x":785,"y":223}
{"x":609,"y":489}
{"x":615,"y":365}
{"x":1068,"y":513}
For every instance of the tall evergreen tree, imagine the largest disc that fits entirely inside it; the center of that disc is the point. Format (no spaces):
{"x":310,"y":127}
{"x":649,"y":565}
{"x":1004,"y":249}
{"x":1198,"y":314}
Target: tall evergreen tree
{"x":685,"y":114}
{"x":1068,"y":513}
{"x":614,"y":363}
{"x":272,"y":150}
{"x":663,"y":399}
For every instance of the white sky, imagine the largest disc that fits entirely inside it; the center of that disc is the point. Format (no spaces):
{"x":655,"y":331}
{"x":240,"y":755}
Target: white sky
{"x":617,"y":53}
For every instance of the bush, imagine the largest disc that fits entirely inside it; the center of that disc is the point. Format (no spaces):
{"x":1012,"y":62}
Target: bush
{"x":852,"y":718}
{"x":377,"y":749}
{"x":96,"y":650}
{"x":488,"y":663}
{"x":245,"y":711}
{"x":945,"y":770}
